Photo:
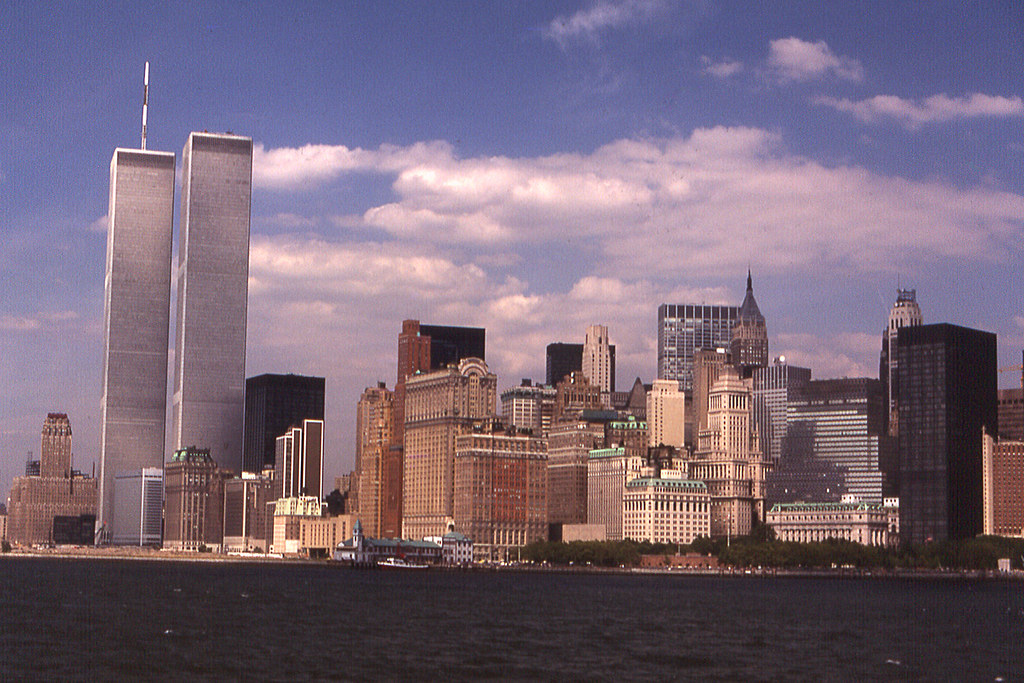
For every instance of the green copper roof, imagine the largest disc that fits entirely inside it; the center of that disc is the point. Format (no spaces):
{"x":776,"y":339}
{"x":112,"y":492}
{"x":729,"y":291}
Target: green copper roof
{"x":670,"y":483}
{"x":825,"y":507}
{"x":606,"y":453}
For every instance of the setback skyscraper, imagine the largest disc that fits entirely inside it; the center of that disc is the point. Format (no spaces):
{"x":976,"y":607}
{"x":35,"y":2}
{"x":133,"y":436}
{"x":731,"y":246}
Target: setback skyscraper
{"x":136,"y":311}
{"x":684,"y":329}
{"x":905,"y":313}
{"x":213,"y":270}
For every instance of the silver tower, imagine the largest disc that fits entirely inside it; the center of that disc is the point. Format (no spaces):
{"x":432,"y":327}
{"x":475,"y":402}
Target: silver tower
{"x":136,"y":309}
{"x":213,"y":272}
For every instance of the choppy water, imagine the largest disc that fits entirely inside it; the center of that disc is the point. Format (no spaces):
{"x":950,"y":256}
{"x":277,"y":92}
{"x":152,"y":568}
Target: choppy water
{"x":106,"y":619}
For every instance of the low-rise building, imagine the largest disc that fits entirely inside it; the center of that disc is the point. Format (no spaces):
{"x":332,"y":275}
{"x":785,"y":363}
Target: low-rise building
{"x":1003,"y":486}
{"x":864,"y":523}
{"x":288,"y":516}
{"x":138,"y":507}
{"x":363,"y":551}
{"x":456,"y":548}
{"x":319,"y":536}
{"x":666,"y":509}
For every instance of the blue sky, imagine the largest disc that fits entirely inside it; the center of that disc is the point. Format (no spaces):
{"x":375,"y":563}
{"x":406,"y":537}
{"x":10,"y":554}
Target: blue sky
{"x":529,"y":167}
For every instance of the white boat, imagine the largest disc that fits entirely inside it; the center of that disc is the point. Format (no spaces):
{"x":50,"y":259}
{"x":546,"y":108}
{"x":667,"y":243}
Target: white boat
{"x":399,"y":563}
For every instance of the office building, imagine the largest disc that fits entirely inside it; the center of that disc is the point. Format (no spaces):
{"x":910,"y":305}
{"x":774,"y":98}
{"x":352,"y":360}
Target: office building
{"x":666,"y":508}
{"x":1003,"y":486}
{"x":569,"y":445}
{"x":138,"y":506}
{"x":774,"y":386}
{"x":666,"y":414}
{"x":749,"y":344}
{"x":684,"y":329}
{"x":1011,"y":408}
{"x":596,"y":362}
{"x":564,"y":359}
{"x":864,"y":523}
{"x":707,"y":366}
{"x":905,"y":312}
{"x":136,"y":312}
{"x":289,"y":513}
{"x":440,"y":406}
{"x":194,"y":501}
{"x":213,"y":271}
{"x":947,"y":396}
{"x":299,"y":461}
{"x":273,"y":403}
{"x":57,"y":491}
{"x":375,"y":424}
{"x":608,"y":470}
{"x":573,"y":395}
{"x":836,"y":444}
{"x":728,"y":459}
{"x":500,"y":489}
{"x":245,"y":518}
{"x":529,"y":406}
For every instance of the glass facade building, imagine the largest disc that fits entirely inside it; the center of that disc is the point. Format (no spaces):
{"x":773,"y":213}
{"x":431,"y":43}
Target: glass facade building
{"x":273,"y":404}
{"x":136,"y":311}
{"x":213,"y":271}
{"x":683,"y":329}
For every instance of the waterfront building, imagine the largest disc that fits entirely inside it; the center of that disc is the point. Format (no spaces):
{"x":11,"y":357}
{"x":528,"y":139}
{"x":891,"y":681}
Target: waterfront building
{"x":608,"y":470}
{"x":774,"y":387}
{"x":728,"y":458}
{"x":299,"y":462}
{"x":439,"y":406}
{"x":529,"y":406}
{"x":194,"y":496}
{"x":666,"y":414}
{"x":3,"y":523}
{"x":684,"y":329}
{"x":905,"y":312}
{"x":666,"y":509}
{"x":273,"y":403}
{"x":1003,"y":486}
{"x":57,"y":491}
{"x":245,"y":519}
{"x":375,"y":425}
{"x":1011,"y":409}
{"x":947,"y":395}
{"x":213,"y":284}
{"x":136,"y":317}
{"x":597,"y":364}
{"x":864,"y":523}
{"x":366,"y":551}
{"x":319,"y":536}
{"x":569,"y":447}
{"x":456,"y":548}
{"x":500,"y":489}
{"x":138,"y":506}
{"x":836,"y":444}
{"x":286,"y":537}
{"x":749,"y":343}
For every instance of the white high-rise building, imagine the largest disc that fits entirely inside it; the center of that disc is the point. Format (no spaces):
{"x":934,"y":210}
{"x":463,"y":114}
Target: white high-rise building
{"x":213,"y":272}
{"x":136,"y":311}
{"x":666,"y":414}
{"x":597,"y":358}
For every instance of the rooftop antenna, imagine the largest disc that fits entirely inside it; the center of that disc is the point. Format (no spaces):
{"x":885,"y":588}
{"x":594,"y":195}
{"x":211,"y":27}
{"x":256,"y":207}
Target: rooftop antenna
{"x":145,"y":104}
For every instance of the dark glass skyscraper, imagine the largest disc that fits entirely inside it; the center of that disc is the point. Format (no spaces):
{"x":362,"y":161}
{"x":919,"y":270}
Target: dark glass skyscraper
{"x":564,"y":359}
{"x":947,"y":395}
{"x":273,"y":404}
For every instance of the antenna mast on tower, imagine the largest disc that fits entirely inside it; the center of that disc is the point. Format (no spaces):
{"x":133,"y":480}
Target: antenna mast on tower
{"x":145,"y":104}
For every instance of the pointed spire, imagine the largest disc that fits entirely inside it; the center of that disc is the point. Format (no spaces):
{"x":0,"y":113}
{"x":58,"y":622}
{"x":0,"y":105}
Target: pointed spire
{"x":750,"y":281}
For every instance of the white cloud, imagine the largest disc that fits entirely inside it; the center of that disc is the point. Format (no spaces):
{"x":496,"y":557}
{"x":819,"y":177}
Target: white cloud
{"x":843,"y":354}
{"x":99,"y":225}
{"x":587,"y":24}
{"x":935,"y":109}
{"x":36,"y":321}
{"x":722,"y":69}
{"x":792,"y":59}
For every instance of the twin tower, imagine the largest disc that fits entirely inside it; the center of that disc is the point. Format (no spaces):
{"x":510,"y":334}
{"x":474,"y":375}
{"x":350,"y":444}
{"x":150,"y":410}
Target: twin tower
{"x":212,"y":284}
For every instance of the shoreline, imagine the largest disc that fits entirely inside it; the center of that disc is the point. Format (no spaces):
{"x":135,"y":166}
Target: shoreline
{"x":158,"y":555}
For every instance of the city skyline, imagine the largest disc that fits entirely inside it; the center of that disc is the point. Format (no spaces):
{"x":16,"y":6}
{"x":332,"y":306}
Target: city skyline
{"x":531,"y":170}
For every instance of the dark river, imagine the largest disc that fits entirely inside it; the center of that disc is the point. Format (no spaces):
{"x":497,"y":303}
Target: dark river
{"x":112,"y":619}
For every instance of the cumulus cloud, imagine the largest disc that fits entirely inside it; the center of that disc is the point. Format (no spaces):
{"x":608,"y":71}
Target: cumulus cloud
{"x":935,"y":109}
{"x":792,"y":60}
{"x":843,"y":354}
{"x":587,"y":24}
{"x":35,"y":321}
{"x":725,"y":68}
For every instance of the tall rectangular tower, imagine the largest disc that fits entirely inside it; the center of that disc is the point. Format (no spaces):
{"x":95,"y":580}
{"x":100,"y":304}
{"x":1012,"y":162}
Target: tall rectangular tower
{"x":213,"y":272}
{"x":683,"y":329}
{"x":947,"y":395}
{"x":273,"y":403}
{"x":136,"y":310}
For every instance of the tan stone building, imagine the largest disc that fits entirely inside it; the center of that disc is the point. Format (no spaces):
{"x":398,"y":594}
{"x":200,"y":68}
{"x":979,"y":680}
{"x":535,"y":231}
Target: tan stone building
{"x":729,"y":460}
{"x":375,"y":414}
{"x":665,"y":508}
{"x":319,"y":536}
{"x":569,"y":446}
{"x":500,"y":489}
{"x":666,"y":414}
{"x":439,"y":407}
{"x":608,"y":471}
{"x":193,"y":501}
{"x":289,"y":514}
{"x":58,"y":490}
{"x":863,"y":523}
{"x":1003,"y":486}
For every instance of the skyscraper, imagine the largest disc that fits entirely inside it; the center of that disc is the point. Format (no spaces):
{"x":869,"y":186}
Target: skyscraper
{"x":273,"y":403}
{"x":683,"y":329}
{"x":774,"y":386}
{"x":375,"y":423}
{"x":299,"y":461}
{"x":749,"y":335}
{"x":666,"y":414}
{"x":904,"y":313}
{"x":136,"y":310}
{"x":561,"y":360}
{"x":947,"y":395}
{"x":213,"y":270}
{"x":597,"y":359}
